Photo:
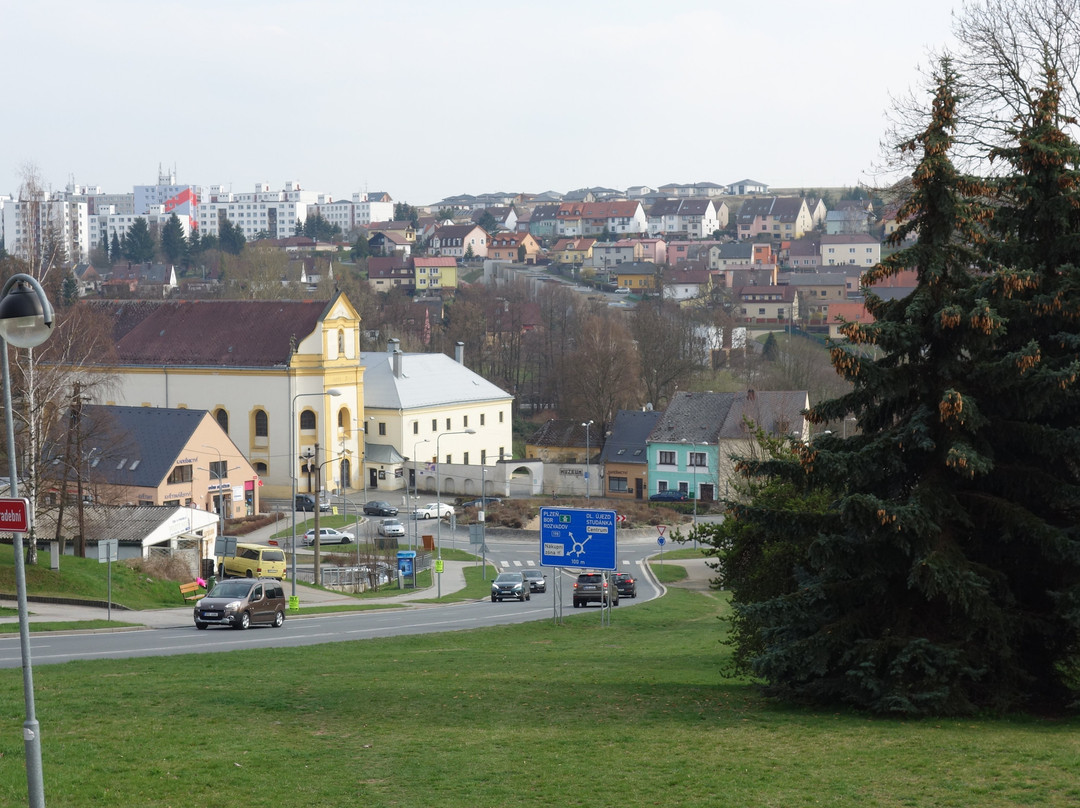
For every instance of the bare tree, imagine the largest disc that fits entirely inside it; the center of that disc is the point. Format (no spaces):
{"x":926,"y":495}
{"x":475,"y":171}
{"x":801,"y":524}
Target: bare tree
{"x":603,"y":374}
{"x":671,"y":345}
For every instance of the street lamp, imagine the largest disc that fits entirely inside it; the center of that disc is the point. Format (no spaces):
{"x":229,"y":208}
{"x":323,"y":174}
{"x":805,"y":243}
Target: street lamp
{"x":220,"y":474}
{"x":294,"y":602}
{"x":587,"y":450}
{"x":416,"y":487}
{"x":26,"y":320}
{"x":438,"y":501}
{"x":694,"y":445}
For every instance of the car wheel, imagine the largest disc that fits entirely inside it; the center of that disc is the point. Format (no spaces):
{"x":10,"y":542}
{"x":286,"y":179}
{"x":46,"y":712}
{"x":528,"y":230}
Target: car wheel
{"x":493,"y":598}
{"x":576,"y":604}
{"x":279,"y":619}
{"x":346,"y":540}
{"x":200,"y":626}
{"x":249,"y":575}
{"x":244,"y":621}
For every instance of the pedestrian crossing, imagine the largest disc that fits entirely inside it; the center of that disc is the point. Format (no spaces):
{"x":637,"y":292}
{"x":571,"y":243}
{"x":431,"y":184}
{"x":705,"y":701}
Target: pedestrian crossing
{"x":516,"y":563}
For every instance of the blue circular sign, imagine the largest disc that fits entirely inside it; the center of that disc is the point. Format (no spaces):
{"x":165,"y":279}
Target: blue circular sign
{"x":660,"y":540}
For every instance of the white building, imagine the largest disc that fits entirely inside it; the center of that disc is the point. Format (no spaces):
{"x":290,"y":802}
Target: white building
{"x":181,"y":199}
{"x":105,"y":224}
{"x":411,"y":399}
{"x":30,"y":224}
{"x":274,"y":213}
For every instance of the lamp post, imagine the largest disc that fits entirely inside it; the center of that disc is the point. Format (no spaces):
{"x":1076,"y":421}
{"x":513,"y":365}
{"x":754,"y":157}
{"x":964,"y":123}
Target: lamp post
{"x":26,"y":320}
{"x":438,"y":501}
{"x":294,"y":602}
{"x":416,"y":487}
{"x":220,"y":474}
{"x":587,"y":451}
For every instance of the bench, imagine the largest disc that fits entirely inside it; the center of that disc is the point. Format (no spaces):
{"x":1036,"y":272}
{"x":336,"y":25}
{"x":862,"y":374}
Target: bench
{"x":188,"y":591}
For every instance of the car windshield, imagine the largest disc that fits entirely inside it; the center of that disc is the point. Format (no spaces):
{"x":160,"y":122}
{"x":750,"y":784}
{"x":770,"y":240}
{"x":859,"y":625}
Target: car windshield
{"x":508,"y":577}
{"x":230,"y":589}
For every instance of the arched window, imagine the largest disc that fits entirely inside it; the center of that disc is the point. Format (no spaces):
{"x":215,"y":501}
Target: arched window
{"x":222,"y":418}
{"x":344,"y":421}
{"x":341,"y":341}
{"x":260,"y":468}
{"x":262,"y":425}
{"x":307,"y":419}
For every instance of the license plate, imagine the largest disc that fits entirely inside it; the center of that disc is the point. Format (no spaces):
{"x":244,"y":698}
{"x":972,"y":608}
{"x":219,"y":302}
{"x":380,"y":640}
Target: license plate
{"x":210,"y":614}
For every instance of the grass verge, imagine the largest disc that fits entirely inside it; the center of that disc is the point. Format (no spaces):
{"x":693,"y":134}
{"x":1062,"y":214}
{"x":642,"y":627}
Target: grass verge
{"x":632,"y":714}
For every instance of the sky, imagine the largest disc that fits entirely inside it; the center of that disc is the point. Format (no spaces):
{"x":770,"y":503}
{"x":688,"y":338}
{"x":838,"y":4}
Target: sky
{"x":424,"y":100}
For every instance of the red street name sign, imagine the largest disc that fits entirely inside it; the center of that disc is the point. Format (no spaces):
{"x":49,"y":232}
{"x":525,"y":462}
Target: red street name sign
{"x":14,"y":515}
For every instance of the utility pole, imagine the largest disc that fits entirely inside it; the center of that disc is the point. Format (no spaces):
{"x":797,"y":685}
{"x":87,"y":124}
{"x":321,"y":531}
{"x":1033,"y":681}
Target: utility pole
{"x":318,"y":504}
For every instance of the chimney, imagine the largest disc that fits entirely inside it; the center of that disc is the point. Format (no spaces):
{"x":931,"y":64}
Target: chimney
{"x":397,"y":362}
{"x":459,"y":352}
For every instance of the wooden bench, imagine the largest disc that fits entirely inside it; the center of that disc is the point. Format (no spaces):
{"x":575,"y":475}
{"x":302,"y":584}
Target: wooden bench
{"x":188,"y":591}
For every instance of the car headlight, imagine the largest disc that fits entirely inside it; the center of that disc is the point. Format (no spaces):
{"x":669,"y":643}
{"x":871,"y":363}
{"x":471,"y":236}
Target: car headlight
{"x":233,"y":607}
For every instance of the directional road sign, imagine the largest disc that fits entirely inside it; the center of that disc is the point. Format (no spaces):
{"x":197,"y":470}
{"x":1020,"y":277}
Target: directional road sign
{"x":14,"y":515}
{"x":577,"y":537}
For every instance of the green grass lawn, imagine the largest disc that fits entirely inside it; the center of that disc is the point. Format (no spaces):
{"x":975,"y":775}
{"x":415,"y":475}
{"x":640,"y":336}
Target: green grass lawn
{"x":632,"y":714}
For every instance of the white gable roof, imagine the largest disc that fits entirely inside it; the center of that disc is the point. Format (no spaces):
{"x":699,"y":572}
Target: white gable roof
{"x":427,"y":380}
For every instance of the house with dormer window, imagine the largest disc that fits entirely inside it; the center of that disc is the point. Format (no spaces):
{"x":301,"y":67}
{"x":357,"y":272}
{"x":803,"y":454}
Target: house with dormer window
{"x":781,"y":218}
{"x":459,"y":241}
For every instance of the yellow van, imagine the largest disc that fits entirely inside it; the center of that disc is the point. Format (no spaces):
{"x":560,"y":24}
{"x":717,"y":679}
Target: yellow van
{"x":255,"y":561}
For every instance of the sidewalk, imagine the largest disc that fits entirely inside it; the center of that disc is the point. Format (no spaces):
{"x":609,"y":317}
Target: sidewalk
{"x":453,"y":580}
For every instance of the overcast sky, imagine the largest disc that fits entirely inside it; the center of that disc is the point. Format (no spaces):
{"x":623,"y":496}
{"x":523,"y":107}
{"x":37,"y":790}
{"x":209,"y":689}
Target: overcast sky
{"x":428,"y":99}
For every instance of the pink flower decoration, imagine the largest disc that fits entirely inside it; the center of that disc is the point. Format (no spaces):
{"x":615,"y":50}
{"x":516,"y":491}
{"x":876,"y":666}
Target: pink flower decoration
{"x":201,"y":582}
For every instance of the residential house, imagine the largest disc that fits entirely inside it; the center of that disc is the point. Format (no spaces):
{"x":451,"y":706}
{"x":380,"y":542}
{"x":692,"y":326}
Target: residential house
{"x":653,"y":249}
{"x":435,"y":273}
{"x":691,"y":447}
{"x":505,"y":216}
{"x":691,"y":218}
{"x":685,"y":282}
{"x":429,"y":400}
{"x":777,"y":217}
{"x":543,"y":222}
{"x":637,"y":276}
{"x":818,"y":211}
{"x":388,"y":272}
{"x":747,"y":188}
{"x":707,"y":190}
{"x":858,"y":249}
{"x":263,"y":369}
{"x":766,"y":305}
{"x":87,"y":277}
{"x":840,"y":313}
{"x":390,"y":242}
{"x":849,"y":217}
{"x":679,"y":252}
{"x":804,"y":254}
{"x":818,"y":293}
{"x":514,"y":247}
{"x":619,"y":218}
{"x":141,"y":280}
{"x":607,"y":254}
{"x":460,"y":241}
{"x":308,"y":272}
{"x":624,"y":461}
{"x":573,"y":251}
{"x":405,"y":229}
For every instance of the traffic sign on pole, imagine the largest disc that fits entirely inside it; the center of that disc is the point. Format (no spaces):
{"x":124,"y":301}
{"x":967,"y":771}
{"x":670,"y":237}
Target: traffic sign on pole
{"x":577,"y":537}
{"x":14,"y":515}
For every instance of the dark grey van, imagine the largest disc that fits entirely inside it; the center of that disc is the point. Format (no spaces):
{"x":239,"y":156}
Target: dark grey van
{"x":241,"y":602}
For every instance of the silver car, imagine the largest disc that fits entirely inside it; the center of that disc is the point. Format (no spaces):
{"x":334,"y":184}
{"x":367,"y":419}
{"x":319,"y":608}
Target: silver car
{"x":391,"y":527}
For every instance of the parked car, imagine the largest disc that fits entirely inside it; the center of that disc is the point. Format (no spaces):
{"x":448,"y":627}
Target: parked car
{"x":306,"y":502}
{"x":481,"y":503}
{"x":434,"y":510}
{"x":594,"y":587}
{"x":254,"y":561}
{"x":671,"y":495}
{"x":391,"y":527}
{"x":622,"y":290}
{"x":379,"y":508}
{"x":537,"y":580}
{"x":626,"y":584}
{"x":327,"y":535}
{"x":241,"y":603}
{"x":510,"y":585}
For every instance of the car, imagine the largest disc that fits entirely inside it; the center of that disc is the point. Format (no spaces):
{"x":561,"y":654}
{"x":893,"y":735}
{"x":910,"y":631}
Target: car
{"x":594,"y":587}
{"x":481,"y":503}
{"x":242,"y":603}
{"x":537,"y":580}
{"x":434,"y":510}
{"x":671,"y":495}
{"x":622,"y":290}
{"x":306,"y":502}
{"x":510,"y":585}
{"x":391,"y":527}
{"x":327,"y":535}
{"x":254,"y":561}
{"x":379,"y":508}
{"x":626,"y":584}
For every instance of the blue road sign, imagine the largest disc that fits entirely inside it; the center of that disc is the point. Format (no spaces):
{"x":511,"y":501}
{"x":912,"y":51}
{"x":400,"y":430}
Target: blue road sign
{"x":577,"y":537}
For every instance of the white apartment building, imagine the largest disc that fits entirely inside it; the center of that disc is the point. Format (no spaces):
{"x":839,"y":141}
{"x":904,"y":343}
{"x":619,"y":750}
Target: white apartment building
{"x":106,"y":223}
{"x":360,"y":211}
{"x":27,"y":225}
{"x":183,"y":199}
{"x":274,"y":213}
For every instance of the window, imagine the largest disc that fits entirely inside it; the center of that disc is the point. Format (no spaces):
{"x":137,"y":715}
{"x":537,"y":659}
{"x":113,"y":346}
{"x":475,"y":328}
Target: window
{"x":180,"y":474}
{"x":617,"y":485}
{"x":465,"y":423}
{"x":698,"y":459}
{"x":416,"y":427}
{"x":449,"y":459}
{"x":481,"y":419}
{"x":382,"y":427}
{"x":434,"y":425}
{"x":466,"y":460}
{"x":262,"y":427}
{"x":483,"y":457}
{"x":661,"y":486}
{"x":222,"y":418}
{"x":685,"y":488}
{"x":447,"y":423}
{"x":341,"y":341}
{"x":500,"y":416}
{"x":667,"y":459}
{"x":219,"y":469}
{"x":307,"y":419}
